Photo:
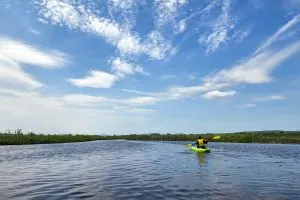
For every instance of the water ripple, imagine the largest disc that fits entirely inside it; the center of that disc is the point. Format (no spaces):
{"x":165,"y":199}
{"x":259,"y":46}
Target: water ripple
{"x":148,"y":170}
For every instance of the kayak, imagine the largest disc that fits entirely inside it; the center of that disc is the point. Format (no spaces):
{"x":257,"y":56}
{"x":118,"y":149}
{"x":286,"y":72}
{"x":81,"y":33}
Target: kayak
{"x":200,"y":150}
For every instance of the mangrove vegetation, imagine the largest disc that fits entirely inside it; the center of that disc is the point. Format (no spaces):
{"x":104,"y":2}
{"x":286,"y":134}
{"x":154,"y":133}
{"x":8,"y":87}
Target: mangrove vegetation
{"x":284,"y":137}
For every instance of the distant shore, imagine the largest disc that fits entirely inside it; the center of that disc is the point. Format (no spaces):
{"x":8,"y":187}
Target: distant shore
{"x":274,"y":137}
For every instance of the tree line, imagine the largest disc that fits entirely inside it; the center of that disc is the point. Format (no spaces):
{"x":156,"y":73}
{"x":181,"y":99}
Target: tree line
{"x":18,"y":137}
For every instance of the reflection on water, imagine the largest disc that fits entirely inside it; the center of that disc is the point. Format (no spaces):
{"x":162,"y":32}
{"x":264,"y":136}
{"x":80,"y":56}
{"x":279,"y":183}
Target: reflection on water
{"x":149,"y":170}
{"x":201,"y":157}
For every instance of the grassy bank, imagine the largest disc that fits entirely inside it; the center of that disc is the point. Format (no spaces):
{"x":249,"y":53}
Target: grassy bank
{"x":20,"y":138}
{"x":283,"y":137}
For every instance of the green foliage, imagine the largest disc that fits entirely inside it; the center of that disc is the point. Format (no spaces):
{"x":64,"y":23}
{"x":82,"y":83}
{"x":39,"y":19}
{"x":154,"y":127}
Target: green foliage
{"x":19,"y":137}
{"x":241,"y":137}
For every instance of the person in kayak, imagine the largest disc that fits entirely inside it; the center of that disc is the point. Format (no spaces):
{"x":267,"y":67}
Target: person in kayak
{"x":200,"y":142}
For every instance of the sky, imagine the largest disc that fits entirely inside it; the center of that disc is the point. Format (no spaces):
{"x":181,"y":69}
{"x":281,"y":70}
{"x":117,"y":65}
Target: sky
{"x":168,"y":66}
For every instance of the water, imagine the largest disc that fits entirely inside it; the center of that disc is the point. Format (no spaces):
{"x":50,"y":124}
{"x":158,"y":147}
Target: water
{"x":149,"y":170}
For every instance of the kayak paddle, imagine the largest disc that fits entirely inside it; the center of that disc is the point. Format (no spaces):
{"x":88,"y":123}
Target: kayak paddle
{"x":216,"y":137}
{"x":188,"y":145}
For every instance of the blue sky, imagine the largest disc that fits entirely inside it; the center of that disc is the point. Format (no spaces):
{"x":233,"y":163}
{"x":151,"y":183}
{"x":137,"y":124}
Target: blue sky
{"x":125,"y":66}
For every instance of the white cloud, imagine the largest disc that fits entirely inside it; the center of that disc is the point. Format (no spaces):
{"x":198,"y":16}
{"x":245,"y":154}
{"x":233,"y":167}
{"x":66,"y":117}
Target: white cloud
{"x":123,"y":11}
{"x":14,"y":53}
{"x":96,"y":79}
{"x":241,"y":34}
{"x":12,"y":75}
{"x":292,"y":7}
{"x":121,"y":67}
{"x":167,"y":11}
{"x":181,"y":26}
{"x":256,"y":69}
{"x":143,"y":100}
{"x":156,"y":46}
{"x":221,"y":28}
{"x":34,"y":112}
{"x":21,"y":52}
{"x":139,"y":92}
{"x":250,"y":105}
{"x":191,"y":76}
{"x":88,"y":100}
{"x":140,"y":110}
{"x":275,"y":37}
{"x":81,"y":99}
{"x":76,"y":16}
{"x":182,"y":92}
{"x":218,"y":94}
{"x":271,"y":98}
{"x":168,"y":76}
{"x":34,"y":31}
{"x":141,"y":70}
{"x":122,"y":4}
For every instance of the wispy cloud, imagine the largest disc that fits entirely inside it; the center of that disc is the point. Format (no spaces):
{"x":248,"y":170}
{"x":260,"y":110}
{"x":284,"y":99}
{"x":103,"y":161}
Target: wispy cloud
{"x":12,"y":75}
{"x":257,"y":68}
{"x":14,"y":53}
{"x":209,"y":91}
{"x":23,"y":53}
{"x":75,"y":15}
{"x":143,"y":100}
{"x":250,"y":105}
{"x":279,"y":34}
{"x":134,"y":104}
{"x":140,"y":110}
{"x":168,"y":76}
{"x":95,"y":79}
{"x":292,"y":7}
{"x":241,"y":34}
{"x":257,"y":4}
{"x":218,"y":94}
{"x":271,"y":98}
{"x":123,"y":10}
{"x":34,"y":31}
{"x":139,"y":92}
{"x":56,"y":115}
{"x":121,"y":67}
{"x":167,"y":11}
{"x":221,"y":28}
{"x":191,"y":76}
{"x":156,"y":46}
{"x":189,"y":91}
{"x":5,"y":3}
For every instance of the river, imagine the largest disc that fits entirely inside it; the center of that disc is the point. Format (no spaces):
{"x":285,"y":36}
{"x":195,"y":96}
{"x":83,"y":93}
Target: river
{"x":123,"y":169}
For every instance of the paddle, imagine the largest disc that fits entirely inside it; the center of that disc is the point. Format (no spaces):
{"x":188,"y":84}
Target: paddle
{"x":188,"y":145}
{"x":216,"y":137}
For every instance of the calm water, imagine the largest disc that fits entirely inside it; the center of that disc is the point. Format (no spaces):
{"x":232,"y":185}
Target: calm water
{"x":149,"y":170}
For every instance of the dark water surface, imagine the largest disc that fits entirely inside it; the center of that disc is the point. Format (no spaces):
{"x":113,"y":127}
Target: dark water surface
{"x":149,"y":170}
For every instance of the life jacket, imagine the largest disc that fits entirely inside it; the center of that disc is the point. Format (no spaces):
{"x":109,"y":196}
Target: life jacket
{"x":200,"y":142}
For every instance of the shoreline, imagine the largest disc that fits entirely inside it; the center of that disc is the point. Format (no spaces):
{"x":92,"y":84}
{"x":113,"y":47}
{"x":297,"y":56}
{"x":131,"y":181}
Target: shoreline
{"x":260,"y":137}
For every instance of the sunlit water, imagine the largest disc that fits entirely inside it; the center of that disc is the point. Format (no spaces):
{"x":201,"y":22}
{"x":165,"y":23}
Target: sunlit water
{"x":149,"y":170}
